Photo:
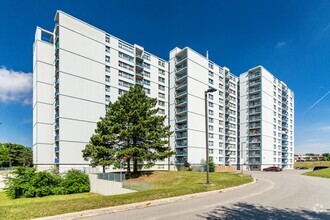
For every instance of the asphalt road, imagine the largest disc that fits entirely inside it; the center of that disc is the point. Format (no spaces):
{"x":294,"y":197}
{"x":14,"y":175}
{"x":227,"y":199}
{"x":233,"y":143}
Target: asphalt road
{"x":286,"y":195}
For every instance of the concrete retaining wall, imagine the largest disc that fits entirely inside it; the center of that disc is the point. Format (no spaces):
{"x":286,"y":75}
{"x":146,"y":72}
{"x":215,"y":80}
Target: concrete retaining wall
{"x":107,"y":187}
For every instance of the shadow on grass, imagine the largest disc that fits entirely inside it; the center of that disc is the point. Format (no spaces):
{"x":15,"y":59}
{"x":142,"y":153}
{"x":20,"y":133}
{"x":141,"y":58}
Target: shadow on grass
{"x":139,"y":174}
{"x":251,"y":211}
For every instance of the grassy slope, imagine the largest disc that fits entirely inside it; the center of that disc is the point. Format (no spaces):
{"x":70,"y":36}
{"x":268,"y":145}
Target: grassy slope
{"x":311,"y":165}
{"x":319,"y":173}
{"x":166,"y":184}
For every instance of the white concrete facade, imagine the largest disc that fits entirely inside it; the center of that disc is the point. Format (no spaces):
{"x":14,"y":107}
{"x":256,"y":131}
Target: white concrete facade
{"x":190,"y":75}
{"x":266,"y":121}
{"x":78,"y":69}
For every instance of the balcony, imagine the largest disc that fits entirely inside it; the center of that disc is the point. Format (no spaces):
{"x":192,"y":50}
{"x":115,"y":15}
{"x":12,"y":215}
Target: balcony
{"x":180,"y":160}
{"x":255,"y":90}
{"x":181,"y":127}
{"x":57,"y":115}
{"x":139,"y":65}
{"x":254,"y":118}
{"x":57,"y":45}
{"x":181,"y":118}
{"x":284,"y":143}
{"x":254,"y":75}
{"x":181,"y":85}
{"x":181,"y":135}
{"x":181,"y":93}
{"x":181,"y":102}
{"x":180,"y":144}
{"x":56,"y":160}
{"x":181,"y":153}
{"x":180,"y":68}
{"x":56,"y":149}
{"x":254,"y":147}
{"x":255,"y":140}
{"x":254,"y":104}
{"x":254,"y":162}
{"x":180,"y":59}
{"x":181,"y":110}
{"x":255,"y":133}
{"x":254,"y":155}
{"x":254,"y":97}
{"x":57,"y":104}
{"x":254,"y":82}
{"x":56,"y":81}
{"x":180,"y":77}
{"x":254,"y":125}
{"x":56,"y":92}
{"x":139,"y":74}
{"x":56,"y":138}
{"x":255,"y":111}
{"x":56,"y":127}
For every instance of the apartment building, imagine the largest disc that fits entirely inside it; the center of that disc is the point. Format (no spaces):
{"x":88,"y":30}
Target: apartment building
{"x":191,"y":74}
{"x":266,"y":121}
{"x":78,"y":70}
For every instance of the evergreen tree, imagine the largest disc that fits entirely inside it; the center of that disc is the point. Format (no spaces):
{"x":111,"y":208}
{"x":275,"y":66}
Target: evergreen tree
{"x":131,"y":130}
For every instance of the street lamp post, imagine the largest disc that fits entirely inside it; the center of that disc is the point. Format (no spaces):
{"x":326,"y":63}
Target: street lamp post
{"x":210,"y":90}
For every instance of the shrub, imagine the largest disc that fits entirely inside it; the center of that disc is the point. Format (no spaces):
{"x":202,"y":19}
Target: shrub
{"x":211,"y":165}
{"x":75,"y":181}
{"x":26,"y":182}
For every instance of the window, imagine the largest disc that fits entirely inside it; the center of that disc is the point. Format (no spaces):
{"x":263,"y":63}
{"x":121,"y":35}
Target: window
{"x":146,"y":56}
{"x":126,"y":57}
{"x":125,"y":84}
{"x":146,"y":82}
{"x":161,"y":95}
{"x":161,"y":63}
{"x":145,"y":73}
{"x":146,"y":65}
{"x":211,"y":128}
{"x":146,"y":90}
{"x":161,"y":87}
{"x":211,"y":65}
{"x":161,"y":103}
{"x":107,"y":88}
{"x":125,"y":75}
{"x":210,"y":112}
{"x":211,"y":143}
{"x":121,"y":92}
{"x":211,"y":120}
{"x":161,"y":111}
{"x":211,"y":73}
{"x":210,"y":96}
{"x":210,"y":104}
{"x":211,"y":81}
{"x":107,"y":59}
{"x":107,"y":98}
{"x":161,"y":79}
{"x":107,"y":78}
{"x":210,"y":151}
{"x":125,"y":46}
{"x":161,"y":72}
{"x":107,"y":39}
{"x":107,"y":49}
{"x":126,"y":66}
{"x":210,"y":135}
{"x":107,"y":69}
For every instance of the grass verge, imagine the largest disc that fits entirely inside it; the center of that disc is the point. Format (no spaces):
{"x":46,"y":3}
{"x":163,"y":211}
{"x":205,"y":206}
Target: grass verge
{"x":166,"y":184}
{"x":325,"y":173}
{"x":311,"y":165}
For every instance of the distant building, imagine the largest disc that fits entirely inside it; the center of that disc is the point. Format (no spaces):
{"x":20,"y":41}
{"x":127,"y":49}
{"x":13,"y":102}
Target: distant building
{"x":305,"y":158}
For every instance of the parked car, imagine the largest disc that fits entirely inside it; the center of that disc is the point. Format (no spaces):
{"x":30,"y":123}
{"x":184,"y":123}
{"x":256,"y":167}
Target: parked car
{"x":275,"y":169}
{"x":320,"y":168}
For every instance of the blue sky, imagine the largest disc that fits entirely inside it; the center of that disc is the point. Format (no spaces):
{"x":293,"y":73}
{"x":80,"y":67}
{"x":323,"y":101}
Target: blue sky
{"x":290,"y":38}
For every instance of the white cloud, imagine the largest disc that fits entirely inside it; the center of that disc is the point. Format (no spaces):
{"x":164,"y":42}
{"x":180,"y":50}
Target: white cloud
{"x":15,"y":86}
{"x":280,"y":44}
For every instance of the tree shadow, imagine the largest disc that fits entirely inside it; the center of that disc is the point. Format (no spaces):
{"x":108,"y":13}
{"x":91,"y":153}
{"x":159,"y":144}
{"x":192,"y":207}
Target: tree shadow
{"x":251,"y":211}
{"x":138,"y":174}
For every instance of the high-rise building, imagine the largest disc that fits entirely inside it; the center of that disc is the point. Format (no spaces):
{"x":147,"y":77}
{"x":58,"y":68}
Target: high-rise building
{"x":191,"y":74}
{"x":78,"y":69}
{"x":266,"y":121}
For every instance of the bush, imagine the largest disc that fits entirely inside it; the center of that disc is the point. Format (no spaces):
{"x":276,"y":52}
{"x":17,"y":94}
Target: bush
{"x":75,"y":181}
{"x":211,"y":165}
{"x":26,"y":182}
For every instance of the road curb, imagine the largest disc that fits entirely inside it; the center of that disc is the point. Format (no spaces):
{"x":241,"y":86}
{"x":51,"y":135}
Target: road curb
{"x":139,"y":205}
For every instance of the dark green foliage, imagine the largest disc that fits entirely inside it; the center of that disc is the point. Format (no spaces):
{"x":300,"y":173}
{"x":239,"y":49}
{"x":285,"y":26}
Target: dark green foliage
{"x":131,"y":130}
{"x":25,"y":182}
{"x":211,"y":165}
{"x":75,"y":181}
{"x":15,"y":155}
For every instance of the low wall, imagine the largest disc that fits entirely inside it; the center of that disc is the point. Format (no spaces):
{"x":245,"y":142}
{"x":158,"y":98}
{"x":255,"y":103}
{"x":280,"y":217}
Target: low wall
{"x":107,"y":187}
{"x":220,"y":169}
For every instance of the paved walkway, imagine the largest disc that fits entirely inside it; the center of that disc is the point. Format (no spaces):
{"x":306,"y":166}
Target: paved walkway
{"x":286,"y":195}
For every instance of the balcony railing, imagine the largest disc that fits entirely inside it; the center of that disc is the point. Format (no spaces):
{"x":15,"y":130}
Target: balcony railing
{"x":254,"y":104}
{"x":181,"y":143}
{"x":56,"y":149}
{"x":182,"y":109}
{"x":253,"y":75}
{"x":181,"y":135}
{"x":178,"y":60}
{"x":56,"y":160}
{"x":57,"y":115}
{"x":56,"y":138}
{"x":252,"y":111}
{"x":255,"y":96}
{"x":57,"y":103}
{"x":255,"y":140}
{"x":255,"y":89}
{"x":181,"y":126}
{"x":56,"y":126}
{"x":184,"y":83}
{"x":181,"y":93}
{"x":181,"y":76}
{"x":181,"y":118}
{"x":255,"y":118}
{"x":56,"y":92}
{"x":180,"y":101}
{"x":181,"y":152}
{"x":181,"y":67}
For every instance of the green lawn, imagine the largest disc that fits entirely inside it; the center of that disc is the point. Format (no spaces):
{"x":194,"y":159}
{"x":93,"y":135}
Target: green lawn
{"x":165,"y":184}
{"x":319,"y":173}
{"x":311,"y":165}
